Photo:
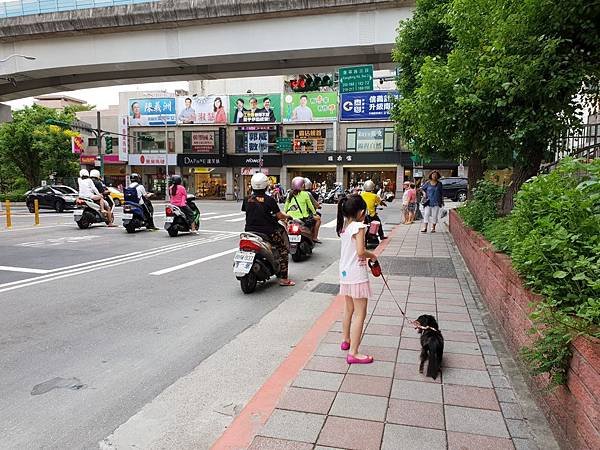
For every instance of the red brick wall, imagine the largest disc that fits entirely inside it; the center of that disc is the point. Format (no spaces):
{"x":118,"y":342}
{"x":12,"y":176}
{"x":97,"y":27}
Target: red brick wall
{"x":574,"y":409}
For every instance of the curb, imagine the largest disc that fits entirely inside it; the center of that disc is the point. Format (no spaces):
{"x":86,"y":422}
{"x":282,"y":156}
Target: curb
{"x":252,"y":418}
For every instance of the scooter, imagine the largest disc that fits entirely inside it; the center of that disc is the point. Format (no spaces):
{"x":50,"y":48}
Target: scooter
{"x":176,"y":220}
{"x":133,"y":216}
{"x":301,"y":242}
{"x":256,"y":261}
{"x":334,"y":195}
{"x":87,"y":212}
{"x":371,"y":236}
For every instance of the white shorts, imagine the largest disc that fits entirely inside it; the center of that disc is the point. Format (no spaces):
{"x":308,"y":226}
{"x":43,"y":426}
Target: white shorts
{"x":431,"y":214}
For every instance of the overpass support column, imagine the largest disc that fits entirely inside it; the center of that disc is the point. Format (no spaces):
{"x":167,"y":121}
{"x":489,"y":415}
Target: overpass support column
{"x":339,"y":175}
{"x":283,"y":178}
{"x":399,"y":180}
{"x":229,"y":195}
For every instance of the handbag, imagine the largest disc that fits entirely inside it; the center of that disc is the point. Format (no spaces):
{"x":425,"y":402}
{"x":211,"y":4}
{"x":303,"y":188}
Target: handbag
{"x":443,"y":212}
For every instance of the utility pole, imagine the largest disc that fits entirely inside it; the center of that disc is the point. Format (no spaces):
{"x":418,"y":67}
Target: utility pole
{"x":99,"y":143}
{"x":166,"y":160}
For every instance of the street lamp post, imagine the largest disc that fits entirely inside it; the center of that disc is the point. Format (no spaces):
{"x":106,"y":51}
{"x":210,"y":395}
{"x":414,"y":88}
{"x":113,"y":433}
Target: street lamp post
{"x":166,"y":158}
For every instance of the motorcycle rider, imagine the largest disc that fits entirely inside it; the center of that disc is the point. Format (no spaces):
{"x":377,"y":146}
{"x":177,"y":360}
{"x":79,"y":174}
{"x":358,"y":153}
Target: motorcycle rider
{"x":87,"y":189}
{"x":101,"y":187}
{"x":262,"y":214}
{"x":299,"y":205}
{"x":373,"y":200}
{"x":314,"y":196}
{"x":143,"y":200}
{"x":179,"y":198}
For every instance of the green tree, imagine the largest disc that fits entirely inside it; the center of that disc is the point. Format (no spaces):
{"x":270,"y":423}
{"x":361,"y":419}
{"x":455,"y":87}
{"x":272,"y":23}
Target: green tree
{"x":36,"y":149}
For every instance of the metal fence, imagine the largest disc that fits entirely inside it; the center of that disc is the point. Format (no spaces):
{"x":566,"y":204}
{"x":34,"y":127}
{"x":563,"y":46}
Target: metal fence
{"x":582,"y":143}
{"x":17,"y":8}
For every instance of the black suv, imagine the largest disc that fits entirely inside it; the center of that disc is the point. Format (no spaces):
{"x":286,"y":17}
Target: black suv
{"x":455,"y":188}
{"x":57,"y":198}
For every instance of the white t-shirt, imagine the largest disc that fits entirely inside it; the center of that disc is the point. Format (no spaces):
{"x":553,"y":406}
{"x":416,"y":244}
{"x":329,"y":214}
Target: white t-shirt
{"x":87,"y":189}
{"x":405,"y":198}
{"x":141,"y":191}
{"x":303,"y":113}
{"x":352,"y":269}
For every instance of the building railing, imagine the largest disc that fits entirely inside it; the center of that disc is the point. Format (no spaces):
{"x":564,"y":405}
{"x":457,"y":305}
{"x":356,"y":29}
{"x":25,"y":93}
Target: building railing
{"x":16,"y":8}
{"x":582,"y":143}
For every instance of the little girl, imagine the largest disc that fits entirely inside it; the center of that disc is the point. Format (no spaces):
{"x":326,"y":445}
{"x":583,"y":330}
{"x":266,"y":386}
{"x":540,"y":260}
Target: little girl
{"x":354,"y":275}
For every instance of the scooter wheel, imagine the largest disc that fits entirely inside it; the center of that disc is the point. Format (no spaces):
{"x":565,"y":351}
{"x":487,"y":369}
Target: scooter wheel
{"x":83,"y":224}
{"x":173,"y":232}
{"x":296,"y":257}
{"x":130,"y":228}
{"x":248,"y":283}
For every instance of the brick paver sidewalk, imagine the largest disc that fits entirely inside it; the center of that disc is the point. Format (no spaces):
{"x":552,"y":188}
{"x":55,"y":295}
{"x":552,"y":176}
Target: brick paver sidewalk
{"x":388,"y":404}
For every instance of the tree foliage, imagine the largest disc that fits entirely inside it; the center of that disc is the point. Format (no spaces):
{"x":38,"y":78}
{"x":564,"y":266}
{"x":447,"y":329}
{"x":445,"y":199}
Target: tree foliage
{"x":35,"y":149}
{"x":517,"y":76}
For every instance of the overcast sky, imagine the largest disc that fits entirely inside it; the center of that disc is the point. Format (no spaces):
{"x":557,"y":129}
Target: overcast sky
{"x":104,"y":96}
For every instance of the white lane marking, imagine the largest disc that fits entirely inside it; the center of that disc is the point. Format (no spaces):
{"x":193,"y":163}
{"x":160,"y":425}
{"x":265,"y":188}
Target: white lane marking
{"x":208,"y":213}
{"x":236,"y":220}
{"x":35,"y":227}
{"x":123,"y":260}
{"x":330,"y":224}
{"x":22,"y":269}
{"x":224,"y":215}
{"x":194,"y":262}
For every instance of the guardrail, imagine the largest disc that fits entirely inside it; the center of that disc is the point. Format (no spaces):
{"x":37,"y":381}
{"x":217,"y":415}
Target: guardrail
{"x":16,"y":8}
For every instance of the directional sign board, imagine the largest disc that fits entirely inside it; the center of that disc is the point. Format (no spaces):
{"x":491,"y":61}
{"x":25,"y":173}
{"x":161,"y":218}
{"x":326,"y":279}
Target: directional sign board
{"x":284,"y":143}
{"x":356,"y":79}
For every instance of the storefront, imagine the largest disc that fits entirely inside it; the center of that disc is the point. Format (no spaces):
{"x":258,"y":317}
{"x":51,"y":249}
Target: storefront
{"x":152,"y":168}
{"x":204,"y":175}
{"x":244,"y":166}
{"x":115,"y":171}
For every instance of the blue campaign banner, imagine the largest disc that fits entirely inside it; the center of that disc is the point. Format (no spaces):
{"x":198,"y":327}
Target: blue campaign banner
{"x":373,"y":105}
{"x":145,"y":112}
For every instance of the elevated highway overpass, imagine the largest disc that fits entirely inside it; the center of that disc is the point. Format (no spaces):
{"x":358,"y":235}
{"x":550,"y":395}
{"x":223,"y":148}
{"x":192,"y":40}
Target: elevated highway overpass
{"x":172,"y":40}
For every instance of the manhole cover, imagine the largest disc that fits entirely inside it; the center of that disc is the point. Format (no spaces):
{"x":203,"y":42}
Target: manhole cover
{"x":327,"y":288}
{"x":418,"y":267}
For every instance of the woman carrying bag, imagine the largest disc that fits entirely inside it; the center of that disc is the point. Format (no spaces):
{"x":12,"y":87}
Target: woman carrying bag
{"x":432,"y":201}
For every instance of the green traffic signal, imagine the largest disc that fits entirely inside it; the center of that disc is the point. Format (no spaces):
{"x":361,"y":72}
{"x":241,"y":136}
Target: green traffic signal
{"x":109,"y":145}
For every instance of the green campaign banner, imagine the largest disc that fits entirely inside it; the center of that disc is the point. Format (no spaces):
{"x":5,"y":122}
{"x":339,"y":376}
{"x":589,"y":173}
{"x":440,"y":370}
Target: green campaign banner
{"x":255,"y":108}
{"x":310,"y":107}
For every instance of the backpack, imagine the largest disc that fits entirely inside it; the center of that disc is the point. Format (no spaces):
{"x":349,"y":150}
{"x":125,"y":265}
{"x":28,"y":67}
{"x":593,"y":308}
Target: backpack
{"x":131,"y":195}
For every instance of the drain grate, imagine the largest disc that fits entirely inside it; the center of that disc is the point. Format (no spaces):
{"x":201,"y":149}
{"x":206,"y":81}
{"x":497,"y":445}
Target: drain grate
{"x":326,"y":288}
{"x":418,"y":267}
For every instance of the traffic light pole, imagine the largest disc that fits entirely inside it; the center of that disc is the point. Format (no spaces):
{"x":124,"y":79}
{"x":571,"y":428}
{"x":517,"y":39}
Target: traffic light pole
{"x":99,"y":143}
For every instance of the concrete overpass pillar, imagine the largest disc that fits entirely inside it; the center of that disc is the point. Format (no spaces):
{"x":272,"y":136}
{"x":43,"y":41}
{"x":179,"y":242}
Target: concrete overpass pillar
{"x":283,"y":177}
{"x":399,"y":179}
{"x":229,"y":194}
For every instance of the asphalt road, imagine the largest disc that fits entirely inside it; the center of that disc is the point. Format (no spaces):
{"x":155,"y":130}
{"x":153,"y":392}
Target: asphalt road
{"x":96,"y":323}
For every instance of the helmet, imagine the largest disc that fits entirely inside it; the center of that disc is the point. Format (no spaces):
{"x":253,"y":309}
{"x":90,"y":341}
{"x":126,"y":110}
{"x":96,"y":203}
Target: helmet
{"x":84,"y":173}
{"x":307,"y":184}
{"x":369,"y":186}
{"x":95,"y":173}
{"x":259,"y":181}
{"x":298,"y":183}
{"x":134,"y":177}
{"x":175,"y":179}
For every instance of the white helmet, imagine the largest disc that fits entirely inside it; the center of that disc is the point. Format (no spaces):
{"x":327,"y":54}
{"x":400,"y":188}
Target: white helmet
{"x":95,"y":173}
{"x":369,"y":186}
{"x":307,"y":184}
{"x":84,"y":173}
{"x":259,"y":181}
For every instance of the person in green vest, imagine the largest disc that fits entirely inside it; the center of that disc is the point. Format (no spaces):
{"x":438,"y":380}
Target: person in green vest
{"x":300,"y":206}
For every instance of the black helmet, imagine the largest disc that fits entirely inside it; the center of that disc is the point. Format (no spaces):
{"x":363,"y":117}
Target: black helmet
{"x":176,"y":179}
{"x":134,"y":177}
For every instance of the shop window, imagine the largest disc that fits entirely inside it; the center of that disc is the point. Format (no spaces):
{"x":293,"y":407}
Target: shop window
{"x":92,"y":142}
{"x":255,"y":141}
{"x":156,"y":144}
{"x":311,"y":140}
{"x":370,"y":139}
{"x":200,"y":141}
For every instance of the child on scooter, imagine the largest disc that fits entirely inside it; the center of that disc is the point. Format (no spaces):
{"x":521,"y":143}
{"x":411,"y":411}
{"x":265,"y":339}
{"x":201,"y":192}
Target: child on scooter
{"x":354,"y":275}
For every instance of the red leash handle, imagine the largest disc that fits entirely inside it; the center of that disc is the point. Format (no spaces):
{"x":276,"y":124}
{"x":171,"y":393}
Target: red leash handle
{"x":375,"y":268}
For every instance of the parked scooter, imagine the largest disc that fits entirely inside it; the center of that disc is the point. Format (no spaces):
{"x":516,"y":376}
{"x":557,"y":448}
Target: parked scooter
{"x":256,"y":261}
{"x":87,"y":213}
{"x":176,"y":220}
{"x":334,"y":195}
{"x":301,"y":242}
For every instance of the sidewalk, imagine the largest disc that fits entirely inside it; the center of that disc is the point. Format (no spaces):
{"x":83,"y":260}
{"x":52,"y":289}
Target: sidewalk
{"x":388,"y":404}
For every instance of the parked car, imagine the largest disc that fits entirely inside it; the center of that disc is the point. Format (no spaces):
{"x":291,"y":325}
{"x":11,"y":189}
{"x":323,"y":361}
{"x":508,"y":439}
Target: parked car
{"x":455,"y":188}
{"x":117,"y":196}
{"x":58,"y":198}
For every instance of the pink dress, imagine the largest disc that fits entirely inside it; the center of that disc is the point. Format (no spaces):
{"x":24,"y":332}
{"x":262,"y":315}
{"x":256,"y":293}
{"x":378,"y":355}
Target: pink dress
{"x":354,"y":273}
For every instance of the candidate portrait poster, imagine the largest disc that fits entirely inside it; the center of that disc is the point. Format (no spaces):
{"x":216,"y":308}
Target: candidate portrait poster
{"x":256,"y":108}
{"x":194,"y":109}
{"x":310,"y":107}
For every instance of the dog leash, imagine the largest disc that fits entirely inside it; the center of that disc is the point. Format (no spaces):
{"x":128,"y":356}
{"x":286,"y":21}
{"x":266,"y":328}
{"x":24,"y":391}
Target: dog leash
{"x":377,"y":272}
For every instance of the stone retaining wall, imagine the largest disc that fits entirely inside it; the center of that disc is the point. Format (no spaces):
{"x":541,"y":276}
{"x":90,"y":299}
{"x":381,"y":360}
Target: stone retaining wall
{"x":574,"y":409}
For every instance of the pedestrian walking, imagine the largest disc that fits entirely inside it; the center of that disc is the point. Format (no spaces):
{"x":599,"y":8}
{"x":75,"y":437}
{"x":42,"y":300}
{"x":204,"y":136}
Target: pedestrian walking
{"x":433,"y":200}
{"x":354,"y":275}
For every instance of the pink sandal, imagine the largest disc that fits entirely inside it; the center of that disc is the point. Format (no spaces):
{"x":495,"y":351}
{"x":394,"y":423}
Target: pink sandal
{"x":354,"y":360}
{"x":345,"y":346}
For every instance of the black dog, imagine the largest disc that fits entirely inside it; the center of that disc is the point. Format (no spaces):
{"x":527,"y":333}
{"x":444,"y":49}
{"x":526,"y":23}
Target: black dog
{"x":432,"y":345}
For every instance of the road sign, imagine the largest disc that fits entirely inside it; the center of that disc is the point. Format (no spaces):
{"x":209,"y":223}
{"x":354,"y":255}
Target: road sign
{"x":356,"y":79}
{"x":284,"y":143}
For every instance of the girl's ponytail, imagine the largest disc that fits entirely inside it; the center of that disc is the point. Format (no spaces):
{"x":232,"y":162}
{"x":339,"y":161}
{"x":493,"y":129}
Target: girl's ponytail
{"x":340,"y":215}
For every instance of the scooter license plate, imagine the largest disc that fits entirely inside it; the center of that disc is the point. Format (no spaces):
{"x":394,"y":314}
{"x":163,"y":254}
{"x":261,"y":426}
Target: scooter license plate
{"x":247,"y":257}
{"x":295,"y":237}
{"x":127,"y":216}
{"x":242,"y":268}
{"x":168,"y":219}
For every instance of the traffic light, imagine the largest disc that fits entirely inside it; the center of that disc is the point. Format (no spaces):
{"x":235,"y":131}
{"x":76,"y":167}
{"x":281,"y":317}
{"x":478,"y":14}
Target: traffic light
{"x":108,"y":142}
{"x":314,"y":82}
